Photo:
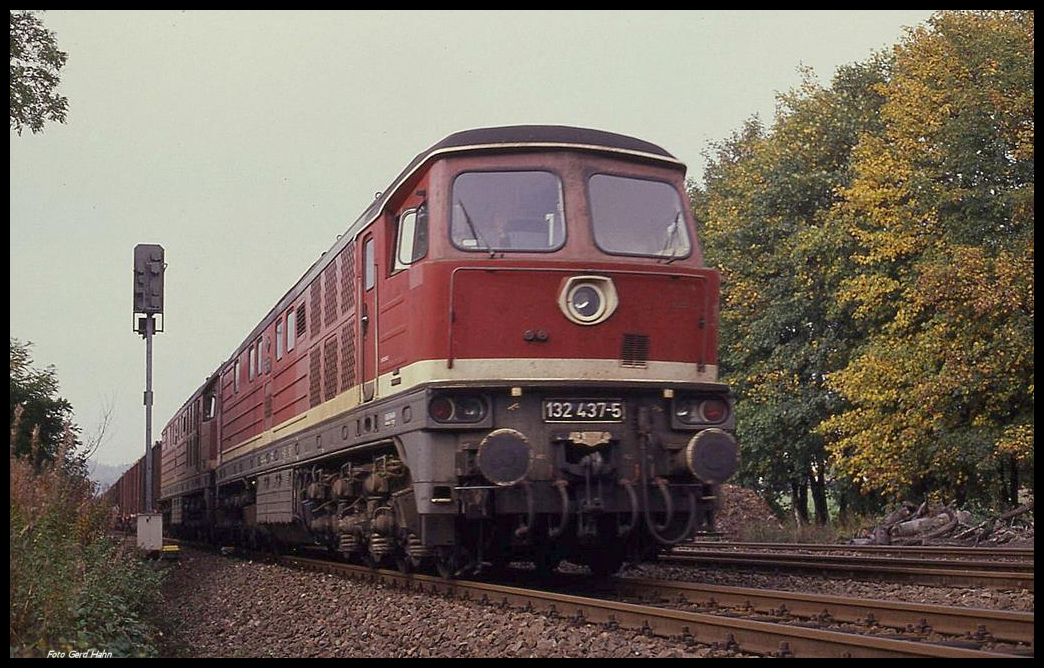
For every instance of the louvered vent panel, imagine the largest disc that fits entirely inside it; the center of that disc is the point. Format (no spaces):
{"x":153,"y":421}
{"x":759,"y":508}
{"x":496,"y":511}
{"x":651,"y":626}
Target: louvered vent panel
{"x":348,"y":355}
{"x":314,"y":367}
{"x":634,"y":351}
{"x":348,"y":278}
{"x":329,"y":368}
{"x":316,"y":305}
{"x":331,"y":293}
{"x":302,"y":327}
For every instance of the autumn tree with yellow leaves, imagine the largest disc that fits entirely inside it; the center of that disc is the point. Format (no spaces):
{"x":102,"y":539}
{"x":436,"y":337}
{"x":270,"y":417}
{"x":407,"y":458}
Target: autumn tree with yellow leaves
{"x":941,"y":396}
{"x":876,"y":247}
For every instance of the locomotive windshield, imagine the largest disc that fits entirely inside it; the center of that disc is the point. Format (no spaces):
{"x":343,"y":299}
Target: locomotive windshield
{"x":507,"y":211}
{"x":638,"y":217}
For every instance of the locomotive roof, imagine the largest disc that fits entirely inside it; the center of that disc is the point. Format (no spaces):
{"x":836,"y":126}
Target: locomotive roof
{"x":547,"y":135}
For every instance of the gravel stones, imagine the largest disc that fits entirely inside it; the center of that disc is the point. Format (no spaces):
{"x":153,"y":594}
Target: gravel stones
{"x":221,"y":607}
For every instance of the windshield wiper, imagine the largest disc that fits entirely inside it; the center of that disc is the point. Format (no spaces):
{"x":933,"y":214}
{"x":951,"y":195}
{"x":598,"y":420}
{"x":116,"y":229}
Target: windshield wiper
{"x":671,"y":238}
{"x":474,"y":232}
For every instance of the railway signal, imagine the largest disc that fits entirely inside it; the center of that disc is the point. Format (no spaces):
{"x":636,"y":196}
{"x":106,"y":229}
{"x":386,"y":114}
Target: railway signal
{"x":148,"y":303}
{"x":148,"y":279}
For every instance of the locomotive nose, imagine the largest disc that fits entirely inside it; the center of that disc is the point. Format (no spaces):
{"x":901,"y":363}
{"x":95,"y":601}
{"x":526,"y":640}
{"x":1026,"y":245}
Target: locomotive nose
{"x":505,"y":457}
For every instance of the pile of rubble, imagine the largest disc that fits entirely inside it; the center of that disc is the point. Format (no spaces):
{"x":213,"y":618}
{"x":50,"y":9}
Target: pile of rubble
{"x":741,"y":513}
{"x":926,"y":524}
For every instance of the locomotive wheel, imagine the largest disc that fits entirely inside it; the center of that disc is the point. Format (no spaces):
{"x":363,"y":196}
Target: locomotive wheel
{"x":499,"y":566}
{"x":451,"y":561}
{"x":410,"y":555}
{"x":546,"y":562}
{"x":409,"y":564}
{"x":403,"y":563}
{"x":368,"y":560}
{"x":605,"y":563}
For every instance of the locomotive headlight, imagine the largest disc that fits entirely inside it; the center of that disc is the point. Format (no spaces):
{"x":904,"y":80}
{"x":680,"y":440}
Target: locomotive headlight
{"x":714,"y":411}
{"x":701,"y":410}
{"x":469,"y":409}
{"x":463,"y":408}
{"x":588,"y":300}
{"x":683,"y":410}
{"x":441,"y":409}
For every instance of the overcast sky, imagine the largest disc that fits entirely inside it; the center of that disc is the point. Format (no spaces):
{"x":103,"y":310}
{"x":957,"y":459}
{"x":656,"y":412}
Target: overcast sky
{"x":245,"y":142}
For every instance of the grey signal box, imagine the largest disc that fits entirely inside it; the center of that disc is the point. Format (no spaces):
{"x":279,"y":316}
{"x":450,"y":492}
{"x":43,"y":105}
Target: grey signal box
{"x":148,"y":279}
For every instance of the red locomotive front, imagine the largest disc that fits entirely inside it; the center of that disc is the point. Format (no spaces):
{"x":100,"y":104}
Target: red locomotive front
{"x":510,"y":356}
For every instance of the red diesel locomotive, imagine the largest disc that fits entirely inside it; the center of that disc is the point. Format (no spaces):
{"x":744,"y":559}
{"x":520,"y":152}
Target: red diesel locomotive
{"x":511,"y":355}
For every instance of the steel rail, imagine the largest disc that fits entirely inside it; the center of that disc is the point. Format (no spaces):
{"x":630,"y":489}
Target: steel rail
{"x":1003,"y":625}
{"x":883,"y":561}
{"x":691,"y":627}
{"x":910,"y":550}
{"x":907,"y":570}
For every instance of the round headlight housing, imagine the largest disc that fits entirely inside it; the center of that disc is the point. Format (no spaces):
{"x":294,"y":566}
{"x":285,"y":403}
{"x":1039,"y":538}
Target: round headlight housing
{"x":588,"y":300}
{"x":441,"y":409}
{"x":469,"y":409}
{"x":714,"y":411}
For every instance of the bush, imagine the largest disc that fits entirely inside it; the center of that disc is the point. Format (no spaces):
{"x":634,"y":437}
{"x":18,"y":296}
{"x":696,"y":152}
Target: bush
{"x":72,"y":586}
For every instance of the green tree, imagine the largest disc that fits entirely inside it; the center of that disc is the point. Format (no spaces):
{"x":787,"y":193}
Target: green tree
{"x":766,"y":222}
{"x":36,"y":392}
{"x":941,"y":211}
{"x":876,"y":249}
{"x":35,"y":63}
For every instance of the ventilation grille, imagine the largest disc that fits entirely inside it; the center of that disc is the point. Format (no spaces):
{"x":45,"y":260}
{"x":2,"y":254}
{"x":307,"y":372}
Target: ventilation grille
{"x":348,"y":355}
{"x":302,"y":327}
{"x":348,"y":278}
{"x":634,"y":352}
{"x":317,"y":302}
{"x":329,"y":368}
{"x":330,"y":278}
{"x":313,"y":377}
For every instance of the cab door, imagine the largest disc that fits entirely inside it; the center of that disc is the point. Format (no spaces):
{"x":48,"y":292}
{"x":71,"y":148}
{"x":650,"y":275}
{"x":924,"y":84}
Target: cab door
{"x":407,"y":237}
{"x":368,"y":273}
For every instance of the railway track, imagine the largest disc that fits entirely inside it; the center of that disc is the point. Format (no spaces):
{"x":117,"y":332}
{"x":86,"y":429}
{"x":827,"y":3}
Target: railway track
{"x":954,"y":551}
{"x":743,"y":634}
{"x":972,"y":624}
{"x":923,"y":570}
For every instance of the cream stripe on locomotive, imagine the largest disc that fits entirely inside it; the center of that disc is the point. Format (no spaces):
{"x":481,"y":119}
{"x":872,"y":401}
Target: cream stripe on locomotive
{"x":538,"y":369}
{"x":499,"y":370}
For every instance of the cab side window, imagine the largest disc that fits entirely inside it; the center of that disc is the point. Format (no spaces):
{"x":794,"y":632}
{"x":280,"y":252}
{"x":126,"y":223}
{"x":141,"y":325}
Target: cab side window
{"x":412,"y":237}
{"x":369,"y":273}
{"x":291,"y":330}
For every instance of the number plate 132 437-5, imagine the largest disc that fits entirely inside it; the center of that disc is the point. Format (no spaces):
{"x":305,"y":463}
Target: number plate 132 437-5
{"x":583,"y":410}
